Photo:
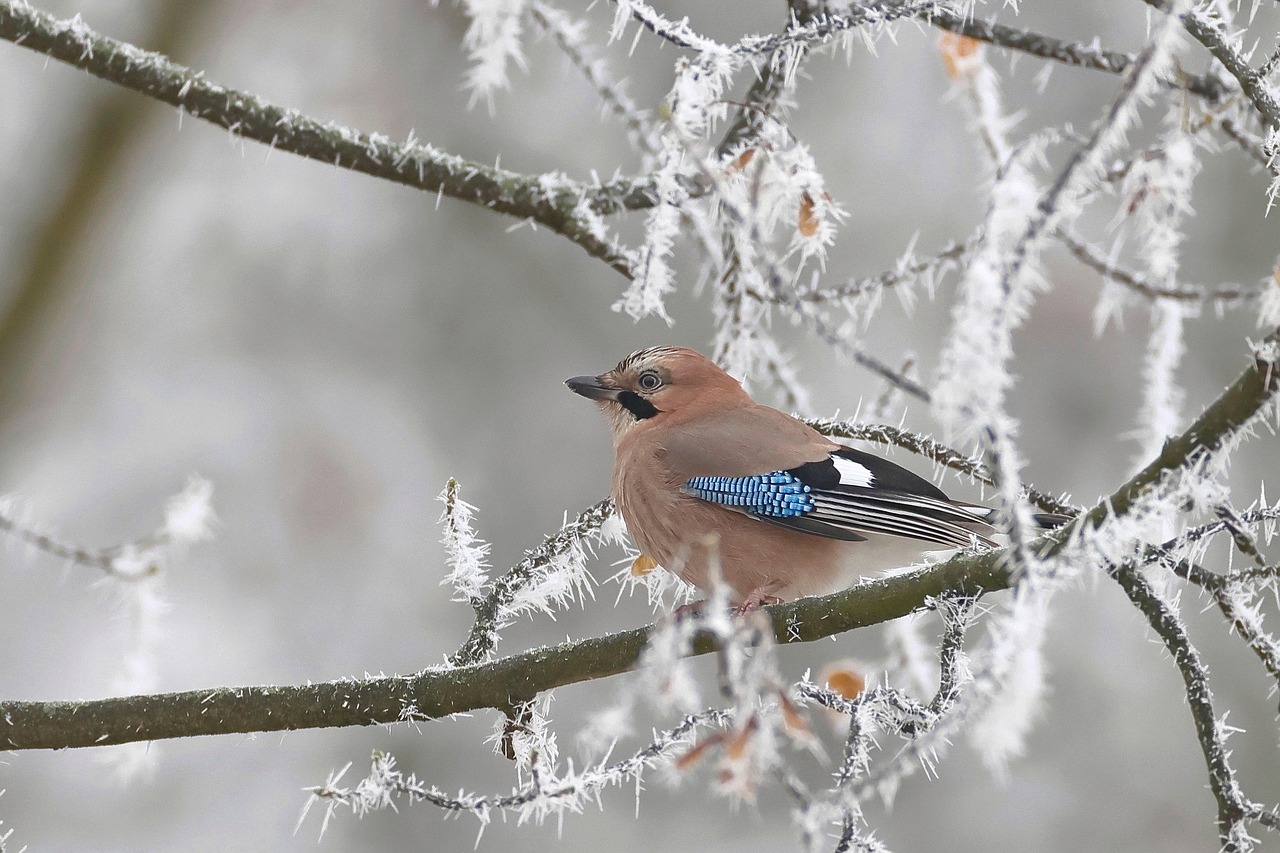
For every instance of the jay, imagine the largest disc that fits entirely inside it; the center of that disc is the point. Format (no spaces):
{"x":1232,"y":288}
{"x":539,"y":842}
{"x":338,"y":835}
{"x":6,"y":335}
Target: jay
{"x":703,"y":473}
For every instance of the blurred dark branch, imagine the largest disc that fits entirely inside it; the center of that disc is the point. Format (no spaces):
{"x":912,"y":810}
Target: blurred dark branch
{"x":500,"y":684}
{"x":108,"y":133}
{"x":552,"y":201}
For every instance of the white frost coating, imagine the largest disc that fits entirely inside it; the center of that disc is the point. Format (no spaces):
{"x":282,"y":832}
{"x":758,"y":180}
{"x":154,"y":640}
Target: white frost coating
{"x":1271,"y":147}
{"x":1161,"y":189}
{"x":466,"y":555}
{"x":911,"y":655}
{"x":999,"y":733}
{"x":695,"y":101}
{"x":1162,"y":397}
{"x":974,"y":375}
{"x":1269,"y":306}
{"x":189,"y":516}
{"x":493,"y":40}
{"x":562,"y":581}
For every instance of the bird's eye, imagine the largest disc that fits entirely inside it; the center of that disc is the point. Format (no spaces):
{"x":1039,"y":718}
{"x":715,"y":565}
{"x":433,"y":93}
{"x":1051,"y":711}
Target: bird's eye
{"x":649,"y":381}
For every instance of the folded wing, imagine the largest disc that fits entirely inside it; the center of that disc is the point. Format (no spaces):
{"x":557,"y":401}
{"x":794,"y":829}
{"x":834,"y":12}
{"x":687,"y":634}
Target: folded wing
{"x":850,"y":495}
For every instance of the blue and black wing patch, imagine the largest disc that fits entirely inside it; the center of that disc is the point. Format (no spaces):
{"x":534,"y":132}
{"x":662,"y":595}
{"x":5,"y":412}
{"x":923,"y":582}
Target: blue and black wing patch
{"x":848,"y":496}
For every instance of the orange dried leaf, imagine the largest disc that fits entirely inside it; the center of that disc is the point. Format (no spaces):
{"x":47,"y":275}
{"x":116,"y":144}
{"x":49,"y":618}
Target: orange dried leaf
{"x":740,"y":162}
{"x":642,"y":565}
{"x":808,"y":222}
{"x":738,"y":744}
{"x":845,"y":679}
{"x":956,"y":51}
{"x":796,"y":721}
{"x":697,"y":752}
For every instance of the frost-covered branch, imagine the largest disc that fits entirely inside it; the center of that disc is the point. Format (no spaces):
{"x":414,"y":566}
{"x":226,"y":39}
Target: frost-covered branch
{"x":1235,"y":810}
{"x":569,"y":36}
{"x":444,"y":690}
{"x":1210,"y":30}
{"x":909,"y":269}
{"x":1068,"y":53}
{"x":555,"y":566}
{"x":188,"y":519}
{"x":1091,"y":257}
{"x":568,"y":790}
{"x":551,"y":200}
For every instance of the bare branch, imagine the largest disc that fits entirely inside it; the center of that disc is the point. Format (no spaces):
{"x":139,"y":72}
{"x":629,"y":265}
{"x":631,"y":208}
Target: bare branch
{"x":1210,"y":30}
{"x":1092,"y":258}
{"x":1068,"y":53}
{"x":1233,"y":807}
{"x":553,"y":201}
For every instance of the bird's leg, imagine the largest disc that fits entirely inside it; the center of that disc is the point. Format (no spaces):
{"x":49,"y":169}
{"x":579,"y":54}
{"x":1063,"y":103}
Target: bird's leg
{"x":759,"y":597}
{"x":689,"y":608}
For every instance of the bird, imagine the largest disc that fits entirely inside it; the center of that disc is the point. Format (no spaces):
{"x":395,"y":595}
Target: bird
{"x":711,"y":484}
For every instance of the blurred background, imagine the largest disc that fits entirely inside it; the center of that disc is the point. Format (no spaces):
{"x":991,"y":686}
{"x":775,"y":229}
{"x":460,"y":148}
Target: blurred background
{"x":328,"y":349}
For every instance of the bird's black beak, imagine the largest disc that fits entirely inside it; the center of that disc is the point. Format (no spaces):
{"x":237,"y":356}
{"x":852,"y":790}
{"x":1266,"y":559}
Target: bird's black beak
{"x":591,"y":388}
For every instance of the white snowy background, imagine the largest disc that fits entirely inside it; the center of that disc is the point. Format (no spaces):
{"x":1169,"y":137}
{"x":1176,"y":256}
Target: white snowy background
{"x":328,"y":349}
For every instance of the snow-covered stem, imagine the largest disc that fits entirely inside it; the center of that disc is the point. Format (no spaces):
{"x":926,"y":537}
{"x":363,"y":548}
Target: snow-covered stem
{"x":817,"y":30}
{"x":498,"y":607}
{"x":568,"y":34}
{"x":565,"y":791}
{"x":885,"y":709}
{"x":1233,"y":806}
{"x":552,"y":201}
{"x":908,"y":270}
{"x":188,"y":519}
{"x":1244,"y":614}
{"x":1084,"y":164}
{"x":1211,"y":31}
{"x":466,"y":556}
{"x":1076,"y":54}
{"x":1222,"y":294}
{"x":493,"y":40}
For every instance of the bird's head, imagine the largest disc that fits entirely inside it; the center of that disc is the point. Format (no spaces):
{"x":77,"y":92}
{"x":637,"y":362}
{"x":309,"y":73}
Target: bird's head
{"x":657,"y":385}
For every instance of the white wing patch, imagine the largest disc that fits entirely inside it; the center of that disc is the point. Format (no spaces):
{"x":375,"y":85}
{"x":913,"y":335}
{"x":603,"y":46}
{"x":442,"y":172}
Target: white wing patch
{"x":853,"y":474}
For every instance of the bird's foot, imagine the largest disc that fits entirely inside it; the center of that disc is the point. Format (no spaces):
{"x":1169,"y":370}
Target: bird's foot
{"x":758,"y":598}
{"x":690,"y":608}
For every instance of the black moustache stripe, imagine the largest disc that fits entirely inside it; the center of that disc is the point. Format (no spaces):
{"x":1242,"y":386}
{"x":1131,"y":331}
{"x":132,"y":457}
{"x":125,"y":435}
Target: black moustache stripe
{"x":637,"y":405}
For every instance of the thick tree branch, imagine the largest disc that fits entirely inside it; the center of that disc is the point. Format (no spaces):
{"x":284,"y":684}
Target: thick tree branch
{"x":442,"y":691}
{"x":553,"y":201}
